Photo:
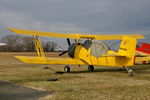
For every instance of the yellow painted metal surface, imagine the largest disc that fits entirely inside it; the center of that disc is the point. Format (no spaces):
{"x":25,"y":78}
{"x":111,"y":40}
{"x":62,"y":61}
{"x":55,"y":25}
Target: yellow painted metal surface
{"x":38,"y":47}
{"x":50,"y":60}
{"x":83,"y":54}
{"x":75,"y":36}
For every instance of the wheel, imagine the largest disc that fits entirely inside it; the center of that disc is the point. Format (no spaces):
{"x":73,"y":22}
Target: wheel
{"x":90,"y":68}
{"x":130,"y":72}
{"x":67,"y":69}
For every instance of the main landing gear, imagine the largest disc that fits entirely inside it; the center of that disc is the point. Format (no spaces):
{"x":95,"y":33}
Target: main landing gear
{"x":90,"y":68}
{"x":130,"y":71}
{"x":67,"y":68}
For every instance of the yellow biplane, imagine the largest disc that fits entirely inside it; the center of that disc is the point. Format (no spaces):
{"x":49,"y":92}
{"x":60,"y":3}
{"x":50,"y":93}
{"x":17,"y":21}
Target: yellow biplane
{"x":90,"y":52}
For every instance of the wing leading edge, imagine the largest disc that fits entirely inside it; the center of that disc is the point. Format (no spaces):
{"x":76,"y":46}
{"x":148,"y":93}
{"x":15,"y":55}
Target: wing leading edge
{"x":75,"y":36}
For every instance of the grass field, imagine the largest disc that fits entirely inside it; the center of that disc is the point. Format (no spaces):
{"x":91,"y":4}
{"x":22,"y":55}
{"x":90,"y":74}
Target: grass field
{"x":105,"y":83}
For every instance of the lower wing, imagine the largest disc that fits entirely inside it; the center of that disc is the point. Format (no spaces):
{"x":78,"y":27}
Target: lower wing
{"x":50,"y":60}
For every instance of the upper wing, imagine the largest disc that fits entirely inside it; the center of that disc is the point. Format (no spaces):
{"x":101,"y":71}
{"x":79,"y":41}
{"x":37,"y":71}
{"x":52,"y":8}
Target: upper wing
{"x":74,"y":36}
{"x":50,"y":60}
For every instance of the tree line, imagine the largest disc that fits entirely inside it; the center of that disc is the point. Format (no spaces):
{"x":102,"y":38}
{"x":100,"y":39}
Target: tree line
{"x":17,"y":43}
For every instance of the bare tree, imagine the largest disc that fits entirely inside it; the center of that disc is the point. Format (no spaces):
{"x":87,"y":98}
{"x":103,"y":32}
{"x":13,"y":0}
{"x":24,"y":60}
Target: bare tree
{"x":49,"y":46}
{"x":16,"y":43}
{"x":28,"y":44}
{"x":11,"y":41}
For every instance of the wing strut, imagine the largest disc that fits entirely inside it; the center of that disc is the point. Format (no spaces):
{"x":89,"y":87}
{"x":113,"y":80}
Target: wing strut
{"x":38,"y":46}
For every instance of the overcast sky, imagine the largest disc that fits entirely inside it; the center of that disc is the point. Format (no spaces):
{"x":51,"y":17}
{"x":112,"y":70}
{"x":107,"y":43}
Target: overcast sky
{"x":69,"y":16}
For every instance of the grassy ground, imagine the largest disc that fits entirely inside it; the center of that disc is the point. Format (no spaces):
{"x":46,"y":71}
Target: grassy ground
{"x":105,"y":83}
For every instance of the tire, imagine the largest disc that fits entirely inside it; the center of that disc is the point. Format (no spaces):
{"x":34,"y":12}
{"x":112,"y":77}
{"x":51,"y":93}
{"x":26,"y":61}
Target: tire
{"x":67,"y":69}
{"x":90,"y":68}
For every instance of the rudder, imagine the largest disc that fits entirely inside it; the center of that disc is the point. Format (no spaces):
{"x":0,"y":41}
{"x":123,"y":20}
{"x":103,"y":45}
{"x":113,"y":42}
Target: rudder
{"x":127,"y":47}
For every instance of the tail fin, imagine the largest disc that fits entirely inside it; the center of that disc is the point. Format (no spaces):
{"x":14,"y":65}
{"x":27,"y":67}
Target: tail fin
{"x":126,"y":53}
{"x":127,"y":47}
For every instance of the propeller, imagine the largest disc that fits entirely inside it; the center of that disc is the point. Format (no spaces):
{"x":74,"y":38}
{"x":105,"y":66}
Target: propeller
{"x":69,"y":43}
{"x":63,"y":53}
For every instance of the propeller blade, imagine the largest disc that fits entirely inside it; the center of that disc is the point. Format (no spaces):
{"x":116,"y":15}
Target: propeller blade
{"x":63,"y":53}
{"x":68,"y":41}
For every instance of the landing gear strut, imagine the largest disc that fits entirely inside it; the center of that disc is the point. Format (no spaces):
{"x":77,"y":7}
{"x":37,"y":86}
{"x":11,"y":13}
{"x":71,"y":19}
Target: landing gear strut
{"x":67,"y":69}
{"x":90,"y":68}
{"x":130,"y":71}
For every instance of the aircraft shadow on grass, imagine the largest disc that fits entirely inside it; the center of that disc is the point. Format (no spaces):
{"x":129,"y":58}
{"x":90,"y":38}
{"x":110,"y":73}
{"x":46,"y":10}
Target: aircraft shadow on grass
{"x":137,"y":69}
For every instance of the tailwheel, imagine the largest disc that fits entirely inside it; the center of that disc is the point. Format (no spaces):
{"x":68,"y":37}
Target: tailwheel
{"x":90,"y":68}
{"x":130,"y":71}
{"x":67,"y":69}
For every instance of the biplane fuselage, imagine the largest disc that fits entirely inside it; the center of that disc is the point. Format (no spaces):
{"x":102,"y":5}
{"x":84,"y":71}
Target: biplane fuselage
{"x":117,"y":59}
